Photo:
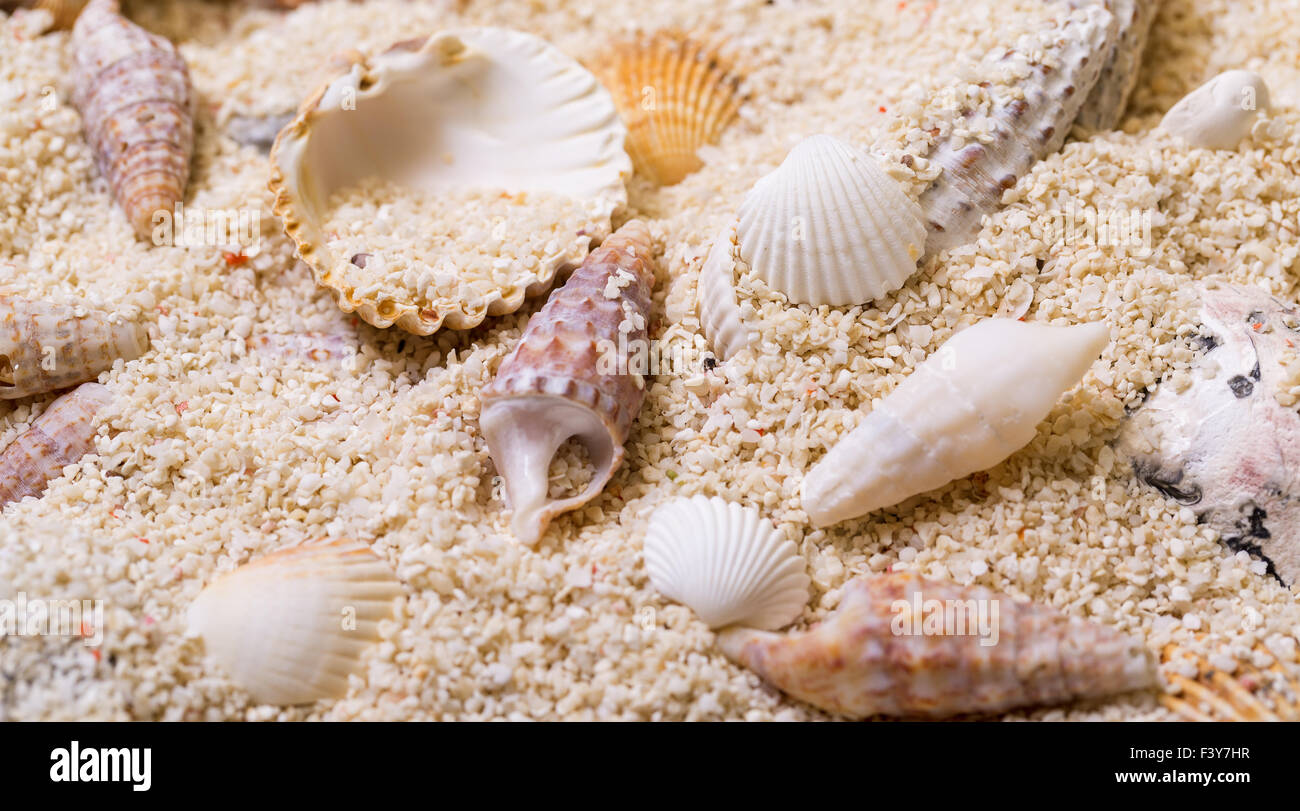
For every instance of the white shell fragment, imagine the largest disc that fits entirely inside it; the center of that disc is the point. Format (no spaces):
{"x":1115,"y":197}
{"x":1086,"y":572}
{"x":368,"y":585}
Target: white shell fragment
{"x":1219,"y":113}
{"x":978,"y":399}
{"x":290,"y":627}
{"x":720,"y":315}
{"x":830,"y":227}
{"x":726,"y":563}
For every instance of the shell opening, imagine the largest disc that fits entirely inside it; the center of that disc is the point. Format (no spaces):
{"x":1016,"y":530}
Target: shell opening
{"x":6,"y":372}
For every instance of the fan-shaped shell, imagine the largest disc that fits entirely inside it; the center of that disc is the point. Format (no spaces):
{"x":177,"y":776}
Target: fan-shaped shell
{"x":676,"y":94}
{"x":725,"y":562}
{"x":290,"y":627}
{"x":1219,"y":113}
{"x":830,"y":227}
{"x":480,"y":109}
{"x":46,"y":346}
{"x":720,"y":315}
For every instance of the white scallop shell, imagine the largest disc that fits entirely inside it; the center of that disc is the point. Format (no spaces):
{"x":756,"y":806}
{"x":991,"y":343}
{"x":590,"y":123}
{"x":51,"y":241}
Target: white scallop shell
{"x":290,"y":627}
{"x":1219,"y":113}
{"x":720,"y":315}
{"x":830,"y":227}
{"x":726,"y":563}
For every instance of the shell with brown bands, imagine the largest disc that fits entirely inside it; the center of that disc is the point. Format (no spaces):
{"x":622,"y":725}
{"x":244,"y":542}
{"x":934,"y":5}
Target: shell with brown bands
{"x":45,"y":346}
{"x":63,"y":434}
{"x":1105,"y":105}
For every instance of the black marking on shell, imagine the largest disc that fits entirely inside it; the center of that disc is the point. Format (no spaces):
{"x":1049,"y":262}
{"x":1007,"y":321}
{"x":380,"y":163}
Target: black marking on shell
{"x":710,"y":363}
{"x":1170,"y":485}
{"x":1255,"y":372}
{"x":1241,"y":386}
{"x":1252,"y":531}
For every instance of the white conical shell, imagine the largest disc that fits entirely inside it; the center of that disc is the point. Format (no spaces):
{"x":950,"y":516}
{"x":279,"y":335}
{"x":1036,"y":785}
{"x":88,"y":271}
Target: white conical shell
{"x":290,"y":627}
{"x":726,"y":563}
{"x":830,"y":227}
{"x":978,"y":399}
{"x":1219,"y":113}
{"x":720,"y":315}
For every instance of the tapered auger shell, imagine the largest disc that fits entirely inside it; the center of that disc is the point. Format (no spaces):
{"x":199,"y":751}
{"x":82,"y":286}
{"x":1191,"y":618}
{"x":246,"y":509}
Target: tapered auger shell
{"x":59,"y":437}
{"x":1105,"y":105}
{"x":46,"y":346}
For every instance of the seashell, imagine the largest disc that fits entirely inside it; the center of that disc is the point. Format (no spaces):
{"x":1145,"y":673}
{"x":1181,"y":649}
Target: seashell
{"x":46,"y":346}
{"x":64,"y":11}
{"x":900,"y":645}
{"x":470,"y":108}
{"x":830,"y":227}
{"x":1109,"y":97}
{"x":676,"y":94}
{"x":290,"y":627}
{"x":725,"y":562}
{"x":1065,"y":60}
{"x":978,"y":399}
{"x":133,"y":90}
{"x":1219,"y":113}
{"x":60,"y":436}
{"x":720,"y":315}
{"x":572,"y":375}
{"x":1247,"y":694}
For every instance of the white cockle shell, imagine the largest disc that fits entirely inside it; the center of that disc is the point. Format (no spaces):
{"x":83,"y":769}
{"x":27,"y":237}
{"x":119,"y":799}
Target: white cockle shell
{"x":720,"y":316}
{"x":1219,"y":113}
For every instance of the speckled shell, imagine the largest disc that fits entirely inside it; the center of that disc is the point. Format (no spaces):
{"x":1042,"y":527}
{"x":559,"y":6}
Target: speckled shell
{"x":565,"y":379}
{"x":290,"y":627}
{"x":1066,"y":59}
{"x":1109,"y":97}
{"x":1247,"y":694}
{"x":720,"y":316}
{"x":45,"y":346}
{"x":133,"y":90}
{"x":868,"y":659}
{"x":676,"y":94}
{"x":1220,"y":113}
{"x":978,"y":399}
{"x":60,"y":436}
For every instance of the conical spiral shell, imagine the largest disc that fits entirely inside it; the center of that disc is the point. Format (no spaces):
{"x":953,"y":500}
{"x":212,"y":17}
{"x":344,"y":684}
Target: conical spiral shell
{"x":133,"y":90}
{"x":978,"y":399}
{"x":888,"y":651}
{"x":63,"y":434}
{"x":290,"y":627}
{"x":1219,"y":113}
{"x":725,"y":562}
{"x":45,"y":346}
{"x":1109,"y":97}
{"x":830,"y":227}
{"x":573,"y":374}
{"x":720,"y":315}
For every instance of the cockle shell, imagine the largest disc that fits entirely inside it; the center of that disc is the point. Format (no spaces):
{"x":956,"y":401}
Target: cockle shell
{"x":46,"y":346}
{"x":60,"y":436}
{"x":978,"y":399}
{"x":1109,"y":97}
{"x":470,"y":108}
{"x":1247,"y":694}
{"x":676,"y":94}
{"x":133,"y":90}
{"x":725,"y":562}
{"x":1219,"y":113}
{"x":889,"y":650}
{"x":828,"y":226}
{"x":290,"y":627}
{"x":720,"y":315}
{"x":1063,"y":62}
{"x":572,"y":376}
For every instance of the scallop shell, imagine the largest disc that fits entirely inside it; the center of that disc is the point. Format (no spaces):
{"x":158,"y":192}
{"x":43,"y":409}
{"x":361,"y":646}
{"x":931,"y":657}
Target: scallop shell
{"x":45,"y":346}
{"x":1248,"y":694}
{"x":572,"y":376}
{"x":720,"y":315}
{"x":290,"y":627}
{"x":725,"y":562}
{"x":63,"y":434}
{"x":481,"y":108}
{"x":1220,"y":113}
{"x":875,"y":656}
{"x":676,"y":94}
{"x":830,"y":227}
{"x":1109,"y":97}
{"x":978,"y":399}
{"x":133,"y":90}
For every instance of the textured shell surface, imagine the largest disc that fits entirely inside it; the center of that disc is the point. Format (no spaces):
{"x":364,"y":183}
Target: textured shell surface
{"x":59,"y":437}
{"x":978,"y":399}
{"x":1225,"y":446}
{"x":720,"y":315}
{"x":726,"y":563}
{"x":1242,"y":692}
{"x":136,"y":102}
{"x":290,"y":627}
{"x":676,"y":93}
{"x":1109,"y":97}
{"x":480,"y":108}
{"x":1220,"y":113}
{"x":46,"y":346}
{"x":828,"y":226}
{"x":573,"y":375}
{"x":900,"y":645}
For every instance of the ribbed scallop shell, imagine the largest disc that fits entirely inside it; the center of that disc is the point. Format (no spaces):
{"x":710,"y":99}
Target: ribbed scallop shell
{"x":1246,"y":694}
{"x":720,"y":315}
{"x":676,"y":94}
{"x":1109,"y":97}
{"x":726,"y":563}
{"x":46,"y":346}
{"x":868,"y":659}
{"x":290,"y":627}
{"x":565,"y":380}
{"x":1220,"y":113}
{"x":60,"y":436}
{"x":830,"y":227}
{"x":475,"y":108}
{"x":978,"y":399}
{"x":133,"y":90}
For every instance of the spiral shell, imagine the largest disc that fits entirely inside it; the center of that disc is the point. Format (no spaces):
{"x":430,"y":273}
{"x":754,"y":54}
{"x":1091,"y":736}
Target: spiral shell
{"x":1109,"y":97}
{"x":63,"y":434}
{"x":46,"y":346}
{"x":720,"y":315}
